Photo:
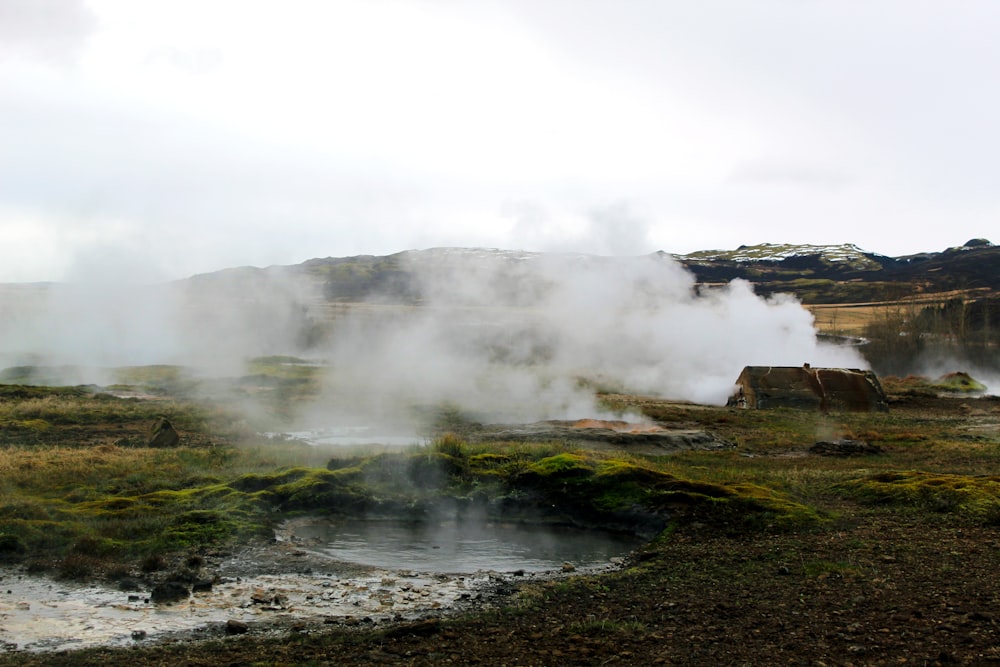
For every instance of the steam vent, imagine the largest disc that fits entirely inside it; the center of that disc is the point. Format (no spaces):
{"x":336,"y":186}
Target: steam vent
{"x":808,"y":388}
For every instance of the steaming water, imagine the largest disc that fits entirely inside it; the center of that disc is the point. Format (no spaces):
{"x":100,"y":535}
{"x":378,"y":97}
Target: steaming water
{"x":354,"y":435}
{"x":456,"y":547}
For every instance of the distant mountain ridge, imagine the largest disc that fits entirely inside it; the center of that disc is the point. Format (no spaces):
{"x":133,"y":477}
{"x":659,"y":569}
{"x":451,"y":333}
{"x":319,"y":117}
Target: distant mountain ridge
{"x":846,"y":273}
{"x":816,"y":274}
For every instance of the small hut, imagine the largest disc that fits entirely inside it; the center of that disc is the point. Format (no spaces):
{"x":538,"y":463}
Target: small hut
{"x":808,"y":388}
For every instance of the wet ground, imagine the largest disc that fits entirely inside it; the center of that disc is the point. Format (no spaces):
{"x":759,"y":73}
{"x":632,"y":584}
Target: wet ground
{"x":316,"y":573}
{"x":41,"y":614}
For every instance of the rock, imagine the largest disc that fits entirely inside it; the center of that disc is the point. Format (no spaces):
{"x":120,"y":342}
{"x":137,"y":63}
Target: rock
{"x":268,"y":598}
{"x":138,"y":634}
{"x":163,"y":434}
{"x":568,"y":567}
{"x":169,"y":591}
{"x":202,"y":586}
{"x":845,"y":447}
{"x":235,"y":627}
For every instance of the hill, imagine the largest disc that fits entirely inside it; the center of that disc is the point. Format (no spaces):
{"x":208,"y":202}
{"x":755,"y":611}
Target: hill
{"x":847,"y":274}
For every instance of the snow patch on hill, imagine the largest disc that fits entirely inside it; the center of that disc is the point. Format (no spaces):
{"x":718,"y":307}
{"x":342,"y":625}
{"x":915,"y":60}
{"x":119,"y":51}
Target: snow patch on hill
{"x":776,"y":252}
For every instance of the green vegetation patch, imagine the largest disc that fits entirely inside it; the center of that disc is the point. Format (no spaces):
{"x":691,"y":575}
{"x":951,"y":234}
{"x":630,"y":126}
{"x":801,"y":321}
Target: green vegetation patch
{"x":597,"y":484}
{"x":959,"y":383}
{"x":973,"y":497}
{"x":86,"y":504}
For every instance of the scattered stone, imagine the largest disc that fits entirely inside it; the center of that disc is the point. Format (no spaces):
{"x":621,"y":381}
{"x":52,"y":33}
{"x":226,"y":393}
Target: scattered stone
{"x":845,"y":447}
{"x":235,"y":627}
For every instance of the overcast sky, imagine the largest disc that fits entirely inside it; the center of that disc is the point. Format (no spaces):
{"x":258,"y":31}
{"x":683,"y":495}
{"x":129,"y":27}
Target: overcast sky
{"x":158,"y":139}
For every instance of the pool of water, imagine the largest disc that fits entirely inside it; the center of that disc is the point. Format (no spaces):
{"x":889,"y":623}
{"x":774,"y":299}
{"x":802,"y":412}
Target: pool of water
{"x":463,"y":546}
{"x":353,"y":435}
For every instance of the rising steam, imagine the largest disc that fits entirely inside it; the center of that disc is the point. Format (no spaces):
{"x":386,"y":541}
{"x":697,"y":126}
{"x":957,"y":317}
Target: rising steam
{"x":505,"y":336}
{"x":514,"y":337}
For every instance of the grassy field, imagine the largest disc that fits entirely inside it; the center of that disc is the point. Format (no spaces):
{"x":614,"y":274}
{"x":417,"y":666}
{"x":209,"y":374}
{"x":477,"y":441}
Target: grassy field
{"x":84,"y":496}
{"x":852,"y":319}
{"x":82,"y":491}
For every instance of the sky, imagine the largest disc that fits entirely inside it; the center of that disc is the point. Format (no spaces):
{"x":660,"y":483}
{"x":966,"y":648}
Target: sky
{"x":153,"y":140}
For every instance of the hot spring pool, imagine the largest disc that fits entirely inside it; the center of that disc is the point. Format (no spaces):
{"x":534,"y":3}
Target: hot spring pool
{"x":463,"y":546}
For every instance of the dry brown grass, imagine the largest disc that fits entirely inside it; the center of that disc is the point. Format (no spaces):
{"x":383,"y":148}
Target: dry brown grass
{"x":851,"y":319}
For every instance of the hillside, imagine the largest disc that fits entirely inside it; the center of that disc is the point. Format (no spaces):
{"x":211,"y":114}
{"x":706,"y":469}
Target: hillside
{"x":847,"y":274}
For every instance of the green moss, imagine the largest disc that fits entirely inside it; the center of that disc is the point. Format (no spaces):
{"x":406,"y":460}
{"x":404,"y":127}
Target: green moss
{"x":597,"y":485}
{"x":563,"y":465}
{"x":252,"y":482}
{"x":974,"y":497}
{"x":960,"y":383}
{"x":26,"y":424}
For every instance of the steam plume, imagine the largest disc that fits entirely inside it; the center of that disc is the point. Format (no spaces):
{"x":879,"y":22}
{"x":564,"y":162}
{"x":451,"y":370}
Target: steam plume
{"x":506,"y":336}
{"x":527,"y":336}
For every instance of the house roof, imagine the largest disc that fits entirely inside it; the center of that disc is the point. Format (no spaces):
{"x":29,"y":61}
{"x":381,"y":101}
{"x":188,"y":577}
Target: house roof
{"x":849,"y":389}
